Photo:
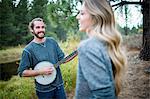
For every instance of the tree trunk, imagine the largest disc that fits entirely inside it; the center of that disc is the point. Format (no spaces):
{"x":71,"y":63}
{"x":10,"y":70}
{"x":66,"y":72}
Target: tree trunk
{"x":145,"y":51}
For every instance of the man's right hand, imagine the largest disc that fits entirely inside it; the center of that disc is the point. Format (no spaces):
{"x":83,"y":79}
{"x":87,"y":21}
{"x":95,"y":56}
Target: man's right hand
{"x":46,"y":71}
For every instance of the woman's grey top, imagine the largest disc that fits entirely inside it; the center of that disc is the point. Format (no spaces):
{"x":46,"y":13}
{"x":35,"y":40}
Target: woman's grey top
{"x":95,"y":75}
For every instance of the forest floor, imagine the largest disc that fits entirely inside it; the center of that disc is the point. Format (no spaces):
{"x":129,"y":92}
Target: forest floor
{"x":136,"y":83}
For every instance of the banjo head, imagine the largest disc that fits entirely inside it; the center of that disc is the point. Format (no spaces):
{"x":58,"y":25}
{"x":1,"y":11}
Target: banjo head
{"x":45,"y":79}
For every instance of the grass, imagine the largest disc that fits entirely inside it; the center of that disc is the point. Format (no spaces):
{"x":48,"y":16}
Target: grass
{"x":10,"y":54}
{"x":17,"y":88}
{"x":23,"y":88}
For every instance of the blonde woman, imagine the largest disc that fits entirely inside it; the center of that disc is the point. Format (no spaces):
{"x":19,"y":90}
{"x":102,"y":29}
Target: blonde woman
{"x":101,"y":60}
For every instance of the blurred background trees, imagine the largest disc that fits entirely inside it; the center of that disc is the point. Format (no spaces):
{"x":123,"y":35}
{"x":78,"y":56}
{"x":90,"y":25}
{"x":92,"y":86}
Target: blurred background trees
{"x":60,"y":18}
{"x":145,"y":10}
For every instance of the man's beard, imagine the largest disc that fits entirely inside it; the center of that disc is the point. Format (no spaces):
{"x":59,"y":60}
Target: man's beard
{"x":38,"y":35}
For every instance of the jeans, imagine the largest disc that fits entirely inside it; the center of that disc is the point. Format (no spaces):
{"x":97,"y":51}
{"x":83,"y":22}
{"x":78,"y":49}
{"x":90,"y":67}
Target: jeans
{"x":58,"y":93}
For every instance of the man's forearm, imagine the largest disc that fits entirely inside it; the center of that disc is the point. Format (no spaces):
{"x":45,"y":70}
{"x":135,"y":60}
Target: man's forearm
{"x":30,"y":73}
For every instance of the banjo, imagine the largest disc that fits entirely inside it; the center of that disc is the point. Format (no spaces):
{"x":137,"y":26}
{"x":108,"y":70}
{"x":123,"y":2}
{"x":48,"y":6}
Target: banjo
{"x":47,"y":79}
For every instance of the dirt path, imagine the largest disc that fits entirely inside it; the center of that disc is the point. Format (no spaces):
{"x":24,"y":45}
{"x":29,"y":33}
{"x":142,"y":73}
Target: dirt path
{"x":137,"y":83}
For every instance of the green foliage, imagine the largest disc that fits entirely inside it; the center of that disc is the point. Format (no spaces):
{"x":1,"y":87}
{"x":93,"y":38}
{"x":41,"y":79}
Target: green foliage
{"x":69,"y":74}
{"x":7,"y":27}
{"x":62,"y":12}
{"x":38,"y":9}
{"x":17,"y":88}
{"x":62,"y":16}
{"x":14,"y":20}
{"x":51,"y":34}
{"x":21,"y":18}
{"x":26,"y":39}
{"x":69,"y":69}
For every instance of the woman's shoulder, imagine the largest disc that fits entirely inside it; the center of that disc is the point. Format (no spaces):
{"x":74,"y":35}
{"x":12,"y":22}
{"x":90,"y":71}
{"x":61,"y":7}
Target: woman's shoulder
{"x":92,"y":43}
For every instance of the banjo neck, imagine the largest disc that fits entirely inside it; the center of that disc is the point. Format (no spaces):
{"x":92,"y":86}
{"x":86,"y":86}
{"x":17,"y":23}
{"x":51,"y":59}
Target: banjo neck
{"x":67,"y":58}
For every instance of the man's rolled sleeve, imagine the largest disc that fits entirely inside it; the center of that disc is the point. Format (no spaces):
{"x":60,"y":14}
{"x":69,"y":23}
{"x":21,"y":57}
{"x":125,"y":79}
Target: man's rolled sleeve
{"x":25,"y":62}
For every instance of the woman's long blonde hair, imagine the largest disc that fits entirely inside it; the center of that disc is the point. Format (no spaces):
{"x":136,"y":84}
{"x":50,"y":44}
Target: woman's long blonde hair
{"x":104,"y":28}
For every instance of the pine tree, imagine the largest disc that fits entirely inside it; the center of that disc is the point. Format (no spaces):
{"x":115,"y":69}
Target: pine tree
{"x":7,"y":33}
{"x":38,"y":9}
{"x":21,"y":19}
